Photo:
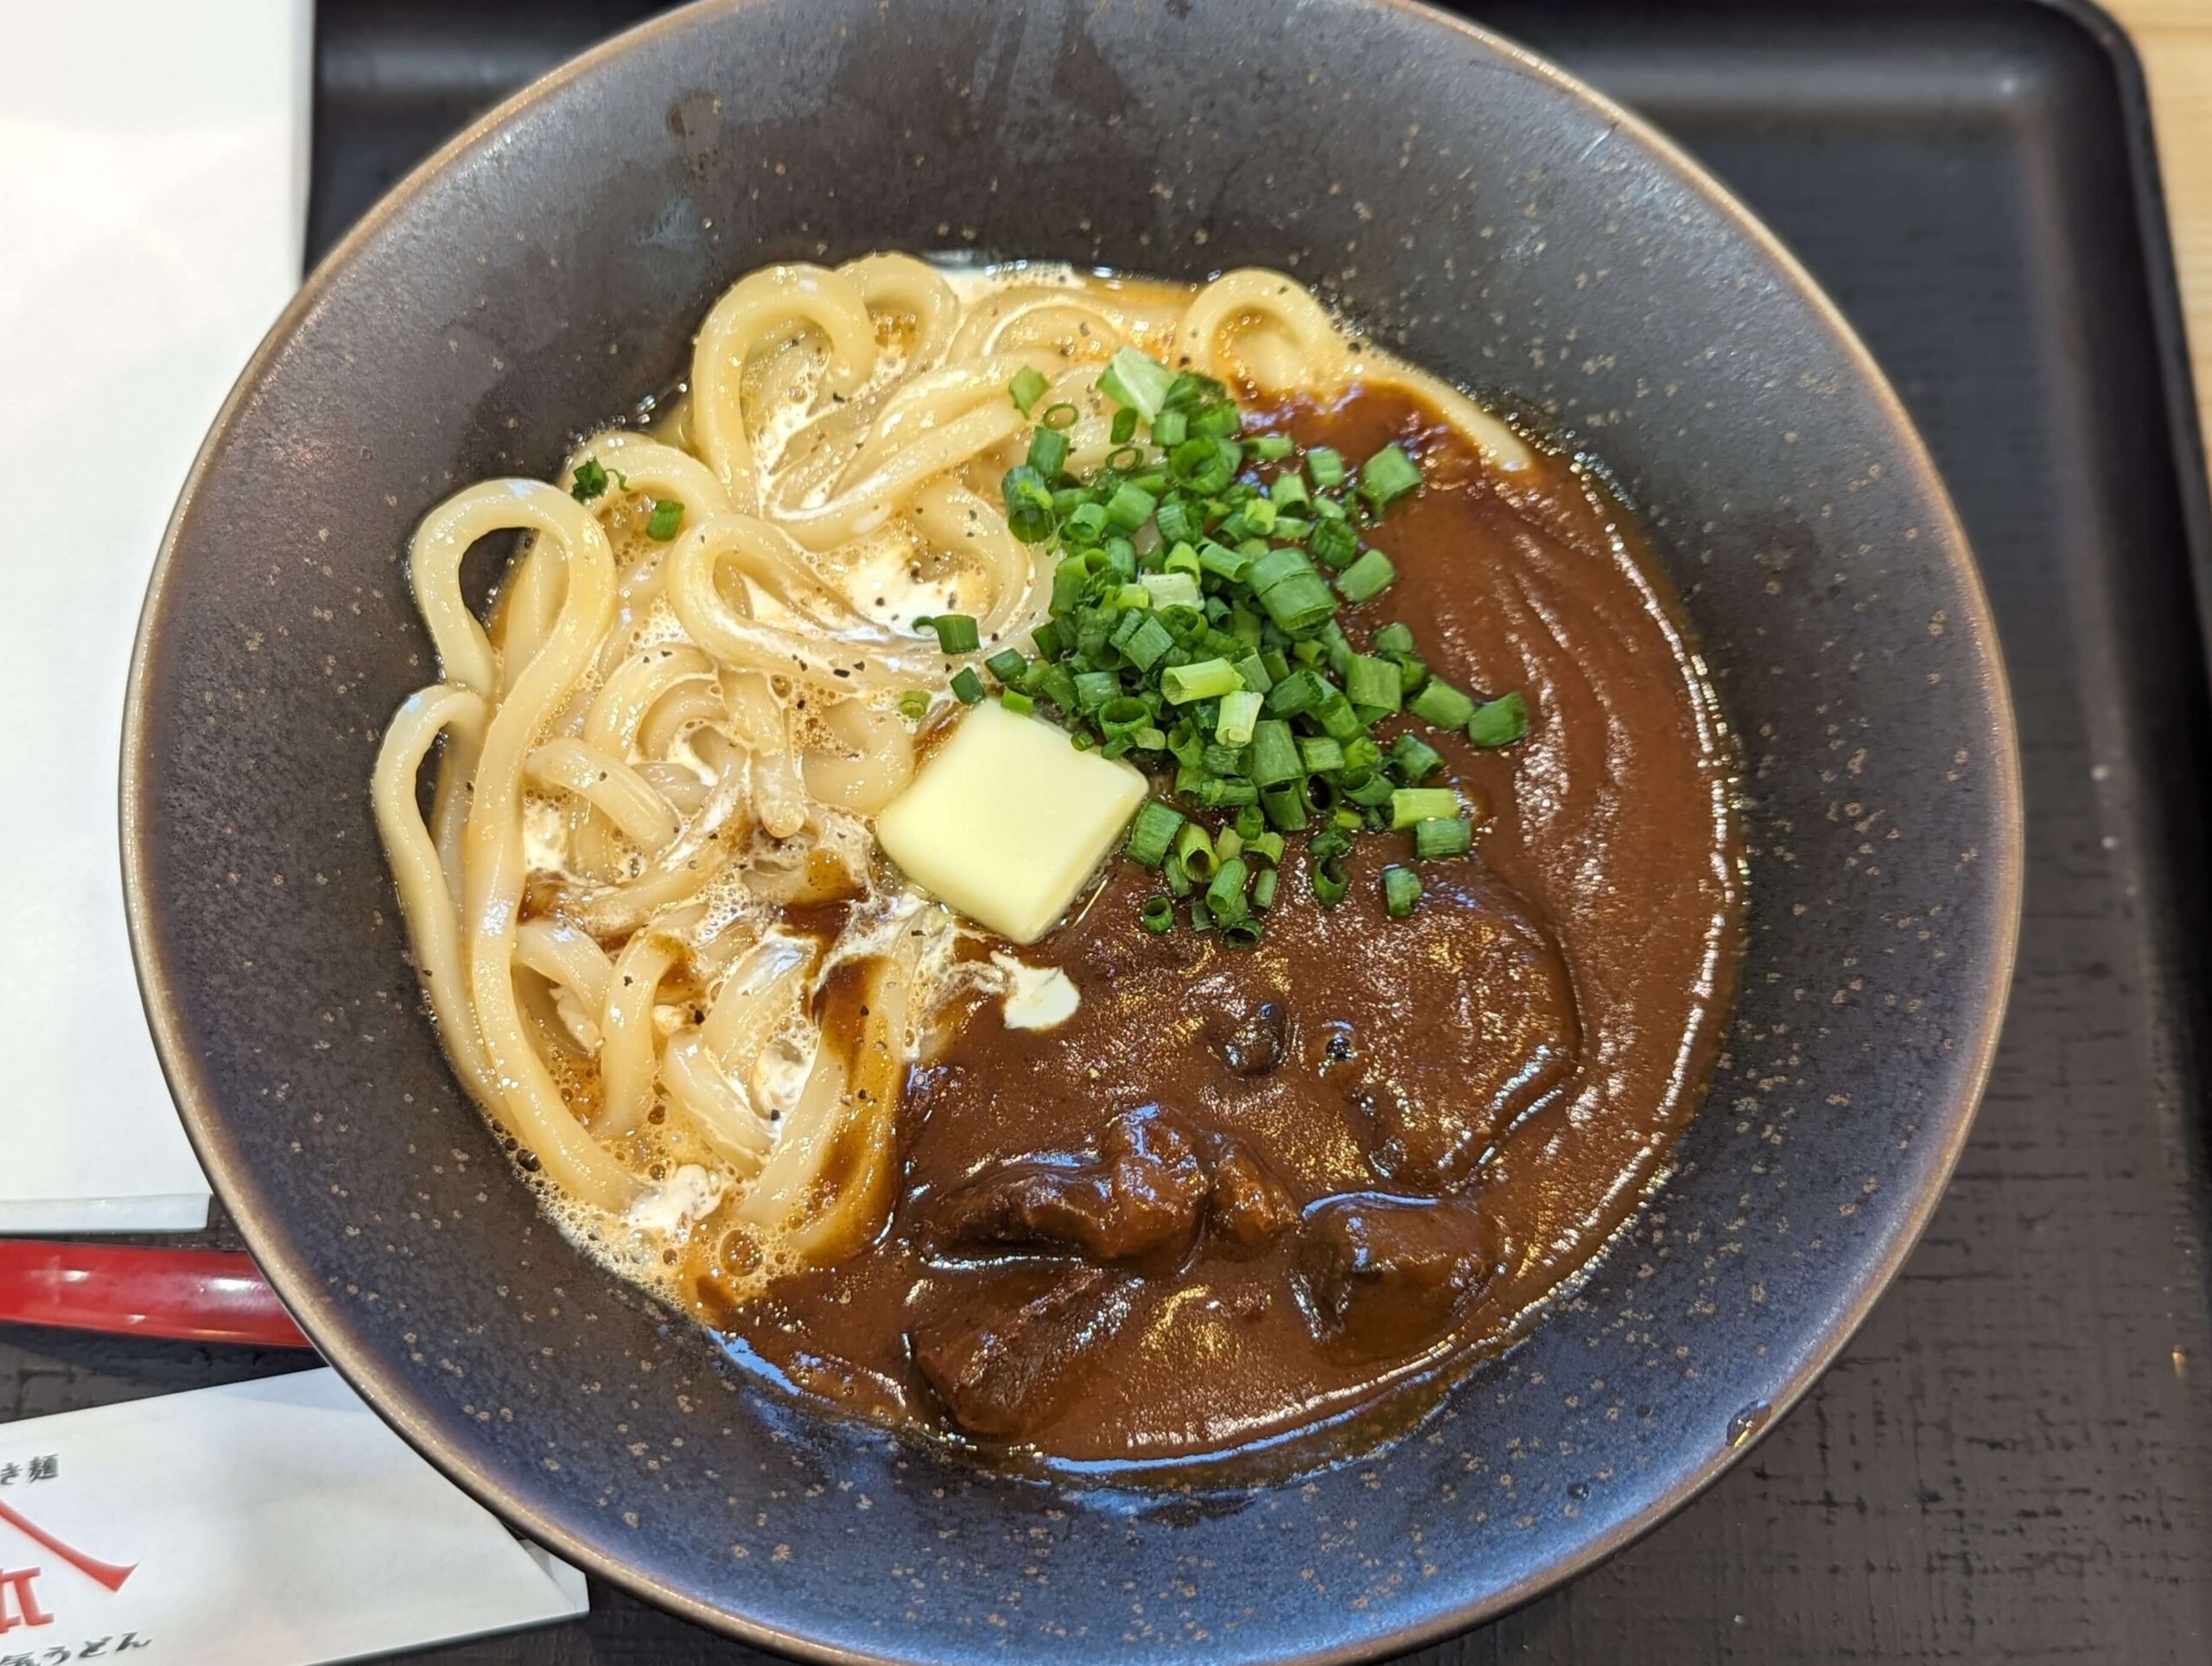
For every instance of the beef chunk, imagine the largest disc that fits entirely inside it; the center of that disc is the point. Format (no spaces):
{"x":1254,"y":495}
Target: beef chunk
{"x":1379,"y":1275}
{"x":1139,"y":1196}
{"x":1142,"y":1197}
{"x":1249,"y":1205}
{"x":1507,"y":1036}
{"x":1252,"y":1040}
{"x":1003,"y":1354}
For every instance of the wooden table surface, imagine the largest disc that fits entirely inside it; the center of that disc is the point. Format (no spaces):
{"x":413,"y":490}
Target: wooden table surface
{"x":2174,"y":38}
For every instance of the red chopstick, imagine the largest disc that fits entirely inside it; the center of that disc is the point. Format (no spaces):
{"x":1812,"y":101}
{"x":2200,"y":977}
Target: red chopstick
{"x":195,"y":1296}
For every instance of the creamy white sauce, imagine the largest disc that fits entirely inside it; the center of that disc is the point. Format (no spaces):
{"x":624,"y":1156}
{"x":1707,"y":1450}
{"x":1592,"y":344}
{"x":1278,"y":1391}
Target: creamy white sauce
{"x":1037,"y":997}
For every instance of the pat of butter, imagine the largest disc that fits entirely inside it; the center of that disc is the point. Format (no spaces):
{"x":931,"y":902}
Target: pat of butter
{"x":1007,"y":820}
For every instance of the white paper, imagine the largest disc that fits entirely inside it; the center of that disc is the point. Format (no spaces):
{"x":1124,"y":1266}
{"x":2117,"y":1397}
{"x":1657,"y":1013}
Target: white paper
{"x":153,"y":196}
{"x":270,"y":1524}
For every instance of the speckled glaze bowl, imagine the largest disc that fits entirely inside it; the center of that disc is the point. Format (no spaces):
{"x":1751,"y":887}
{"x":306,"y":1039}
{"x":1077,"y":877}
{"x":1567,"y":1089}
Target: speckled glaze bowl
{"x":1498,"y":222}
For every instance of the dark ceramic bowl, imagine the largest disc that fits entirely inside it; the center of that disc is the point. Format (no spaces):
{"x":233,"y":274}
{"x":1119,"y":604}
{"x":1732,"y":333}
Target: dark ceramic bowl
{"x":1502,"y":223}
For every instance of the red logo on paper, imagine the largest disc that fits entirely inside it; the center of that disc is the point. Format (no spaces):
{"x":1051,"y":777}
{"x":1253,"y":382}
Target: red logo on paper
{"x":18,"y":1601}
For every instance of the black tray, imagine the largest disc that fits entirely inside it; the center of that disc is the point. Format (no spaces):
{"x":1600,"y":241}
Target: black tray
{"x":2013,"y":1459}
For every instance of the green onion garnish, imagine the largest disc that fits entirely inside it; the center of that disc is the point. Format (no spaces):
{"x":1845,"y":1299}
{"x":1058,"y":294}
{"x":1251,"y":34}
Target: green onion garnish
{"x":1371,"y":682}
{"x":1366,"y":578}
{"x":1401,"y":890}
{"x":1196,"y":626}
{"x":1388,"y":473}
{"x":667,"y":516}
{"x":1409,"y":804}
{"x":1027,"y":388}
{"x":591,"y":480}
{"x":1132,"y":379}
{"x":1194,"y":850}
{"x":955,"y":633}
{"x":1413,"y":759}
{"x":1225,"y":895}
{"x":1500,"y":722}
{"x":1153,"y":832}
{"x":1441,"y":704}
{"x":1436,"y":838}
{"x":913,"y":705}
{"x":1208,"y":679}
{"x":1239,"y":712}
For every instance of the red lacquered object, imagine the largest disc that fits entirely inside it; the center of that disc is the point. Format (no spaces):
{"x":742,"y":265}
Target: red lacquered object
{"x":194,"y":1295}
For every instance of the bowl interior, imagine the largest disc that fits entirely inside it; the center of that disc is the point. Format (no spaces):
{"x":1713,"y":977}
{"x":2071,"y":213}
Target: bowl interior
{"x":1487,"y":217}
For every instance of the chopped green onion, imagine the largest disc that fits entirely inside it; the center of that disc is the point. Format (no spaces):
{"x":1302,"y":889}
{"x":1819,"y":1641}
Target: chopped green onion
{"x":1263,"y":887}
{"x":1153,"y":832}
{"x":1401,"y":891}
{"x":1300,"y":603}
{"x":1048,"y":452}
{"x":1158,"y":915}
{"x":591,"y":480}
{"x":1326,"y":464}
{"x":1123,"y":428}
{"x":1394,"y":641}
{"x":913,"y":705}
{"x":1413,"y":759}
{"x":1027,"y":388}
{"x":1149,"y":642}
{"x":955,"y":633}
{"x":1272,"y":448}
{"x":1319,"y":753}
{"x":1029,"y":507}
{"x":1299,"y":691}
{"x":1409,"y":804}
{"x":1229,"y":842}
{"x":1169,"y":430}
{"x":967,"y":687}
{"x":1329,"y":882}
{"x":1390,"y":474}
{"x":1062,"y":415}
{"x":1333,"y":543}
{"x":1194,"y":849}
{"x":1007,"y":664}
{"x":1371,"y":682}
{"x":1225,"y":895}
{"x":1283,"y":807}
{"x":1436,"y":838}
{"x":1094,"y":688}
{"x":1130,"y":507}
{"x":667,"y":516}
{"x":1131,"y":379}
{"x":1499,"y":722}
{"x":1239,"y":712}
{"x":1243,"y":932}
{"x":1441,"y":704}
{"x":1170,"y":589}
{"x":1209,"y":679}
{"x":1274,"y":753}
{"x":1016,"y":701}
{"x":1366,"y":578}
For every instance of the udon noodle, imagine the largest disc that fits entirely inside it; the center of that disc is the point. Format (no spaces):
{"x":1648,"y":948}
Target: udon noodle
{"x":659,"y":755}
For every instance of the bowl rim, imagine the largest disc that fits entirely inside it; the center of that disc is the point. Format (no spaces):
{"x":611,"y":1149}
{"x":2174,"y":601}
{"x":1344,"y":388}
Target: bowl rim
{"x":324,"y":1321}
